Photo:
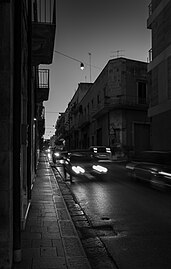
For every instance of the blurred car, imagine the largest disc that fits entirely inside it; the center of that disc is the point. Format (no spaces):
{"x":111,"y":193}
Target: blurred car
{"x":153,"y":167}
{"x":101,"y":152}
{"x":59,"y":155}
{"x":82,"y":164}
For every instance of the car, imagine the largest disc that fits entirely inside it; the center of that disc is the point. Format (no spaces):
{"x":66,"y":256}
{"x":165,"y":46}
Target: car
{"x":58,"y":155}
{"x":102,"y":153}
{"x":82,"y":164}
{"x":153,"y":167}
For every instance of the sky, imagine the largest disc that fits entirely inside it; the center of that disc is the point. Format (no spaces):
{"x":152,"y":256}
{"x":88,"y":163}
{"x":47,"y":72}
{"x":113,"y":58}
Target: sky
{"x":97,"y":27}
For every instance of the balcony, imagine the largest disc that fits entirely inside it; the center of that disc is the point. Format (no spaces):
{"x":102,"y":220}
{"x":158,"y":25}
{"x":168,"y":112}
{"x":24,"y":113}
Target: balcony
{"x":155,"y":8}
{"x":42,"y":89}
{"x":43,"y":31}
{"x":123,"y":102}
{"x":84,"y":121}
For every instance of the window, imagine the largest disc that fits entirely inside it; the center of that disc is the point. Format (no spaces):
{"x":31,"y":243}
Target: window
{"x":154,"y":90}
{"x":141,"y":92}
{"x":98,"y":98}
{"x":88,"y":109}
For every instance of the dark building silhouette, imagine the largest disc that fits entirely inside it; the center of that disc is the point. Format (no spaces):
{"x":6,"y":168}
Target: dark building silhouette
{"x":27,"y":31}
{"x":159,"y":70}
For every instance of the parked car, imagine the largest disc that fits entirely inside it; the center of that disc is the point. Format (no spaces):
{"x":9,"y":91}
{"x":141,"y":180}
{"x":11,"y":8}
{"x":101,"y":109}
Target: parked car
{"x":82,"y":164}
{"x":153,"y":167}
{"x":101,"y":152}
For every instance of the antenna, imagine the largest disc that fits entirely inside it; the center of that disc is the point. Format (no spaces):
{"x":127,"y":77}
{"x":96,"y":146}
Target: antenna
{"x":117,"y":53}
{"x":90,"y":64}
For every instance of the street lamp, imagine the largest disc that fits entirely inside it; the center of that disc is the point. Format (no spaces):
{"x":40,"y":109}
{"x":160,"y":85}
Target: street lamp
{"x":81,"y":63}
{"x":82,"y":66}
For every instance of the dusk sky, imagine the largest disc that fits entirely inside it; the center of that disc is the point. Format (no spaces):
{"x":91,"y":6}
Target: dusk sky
{"x":99,"y":27}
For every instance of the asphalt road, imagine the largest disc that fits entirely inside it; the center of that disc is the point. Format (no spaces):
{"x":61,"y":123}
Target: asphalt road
{"x":135,"y":219}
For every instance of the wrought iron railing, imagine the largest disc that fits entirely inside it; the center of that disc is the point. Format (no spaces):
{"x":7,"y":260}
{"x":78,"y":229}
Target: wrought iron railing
{"x":125,"y":100}
{"x":113,"y":102}
{"x":43,"y":78}
{"x":150,"y":10}
{"x":44,"y":11}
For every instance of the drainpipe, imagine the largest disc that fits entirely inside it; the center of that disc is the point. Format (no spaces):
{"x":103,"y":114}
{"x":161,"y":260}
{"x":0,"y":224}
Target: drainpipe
{"x":29,"y":105}
{"x":108,"y":116}
{"x":16,"y":133}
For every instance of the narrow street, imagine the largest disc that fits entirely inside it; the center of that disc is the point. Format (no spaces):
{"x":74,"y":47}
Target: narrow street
{"x":131,"y":219}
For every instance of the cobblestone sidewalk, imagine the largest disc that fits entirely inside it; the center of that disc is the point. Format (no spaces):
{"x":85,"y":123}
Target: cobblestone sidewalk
{"x":50,"y":239}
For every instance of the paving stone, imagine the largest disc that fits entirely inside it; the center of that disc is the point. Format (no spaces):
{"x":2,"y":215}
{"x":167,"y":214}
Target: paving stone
{"x":68,"y":197}
{"x":83,"y":223}
{"x":59,"y":246}
{"x":67,"y":228}
{"x":53,"y":229}
{"x":92,"y":242}
{"x":31,"y":235}
{"x":79,"y":218}
{"x":50,"y":219}
{"x":40,"y":229}
{"x":41,"y":243}
{"x":73,"y":246}
{"x":58,"y":199}
{"x":26,"y":264}
{"x":78,"y":263}
{"x":50,"y":214}
{"x":26,"y":243}
{"x":63,"y":214}
{"x":60,"y":204}
{"x":49,"y":262}
{"x":50,"y":224}
{"x":29,"y":253}
{"x":49,"y":235}
{"x":76,"y":212}
{"x":48,"y":251}
{"x":49,"y":210}
{"x":34,"y":223}
{"x":74,"y":206}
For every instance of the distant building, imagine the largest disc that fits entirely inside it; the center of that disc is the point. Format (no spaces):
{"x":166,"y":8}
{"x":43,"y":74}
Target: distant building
{"x":114,"y":110}
{"x":66,"y":126}
{"x":159,"y":70}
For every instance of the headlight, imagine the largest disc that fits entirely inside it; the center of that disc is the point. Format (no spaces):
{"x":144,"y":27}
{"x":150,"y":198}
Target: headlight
{"x":100,"y":168}
{"x":129,"y":166}
{"x":165,"y":174}
{"x":57,"y":154}
{"x":78,"y":169}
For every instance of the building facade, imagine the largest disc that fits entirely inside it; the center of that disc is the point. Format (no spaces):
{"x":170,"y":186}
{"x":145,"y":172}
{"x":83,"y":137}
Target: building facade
{"x":26,"y":43}
{"x":113,"y":112}
{"x":159,"y":70}
{"x":67,"y":123}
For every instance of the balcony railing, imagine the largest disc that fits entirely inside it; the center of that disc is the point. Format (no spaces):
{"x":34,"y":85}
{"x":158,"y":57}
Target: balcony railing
{"x":43,"y":11}
{"x":43,"y":31}
{"x":150,"y":10}
{"x":125,"y":100}
{"x":114,"y":102}
{"x":42,"y":90}
{"x":44,"y":78}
